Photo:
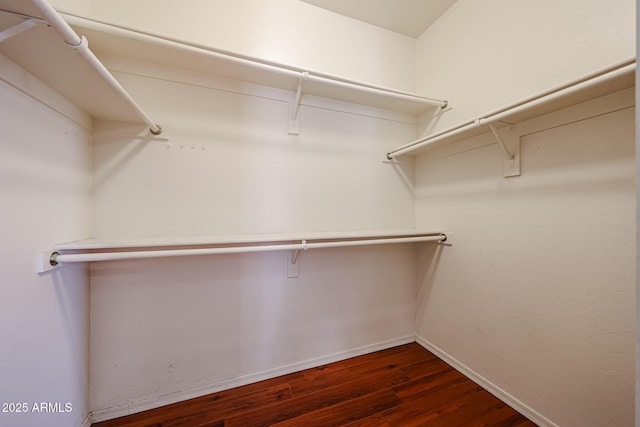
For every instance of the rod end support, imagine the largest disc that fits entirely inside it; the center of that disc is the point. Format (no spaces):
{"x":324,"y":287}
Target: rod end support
{"x":52,"y":258}
{"x":447,"y":239}
{"x":46,"y":261}
{"x":156,"y":132}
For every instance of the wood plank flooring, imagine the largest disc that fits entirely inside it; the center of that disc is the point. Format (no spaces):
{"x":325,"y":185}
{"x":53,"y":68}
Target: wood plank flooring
{"x":401,"y":386}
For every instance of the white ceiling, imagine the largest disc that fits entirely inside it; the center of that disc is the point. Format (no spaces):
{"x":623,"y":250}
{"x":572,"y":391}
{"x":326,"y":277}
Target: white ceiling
{"x":408,"y":17}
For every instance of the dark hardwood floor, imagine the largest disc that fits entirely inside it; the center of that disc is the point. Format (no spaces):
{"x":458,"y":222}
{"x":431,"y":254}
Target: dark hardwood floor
{"x":402,"y":386}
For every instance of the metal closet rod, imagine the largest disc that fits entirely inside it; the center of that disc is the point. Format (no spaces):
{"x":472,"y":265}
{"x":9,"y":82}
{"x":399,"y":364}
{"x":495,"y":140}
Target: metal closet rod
{"x":57,"y":258}
{"x":81,"y":45}
{"x":299,"y":74}
{"x":574,"y":86}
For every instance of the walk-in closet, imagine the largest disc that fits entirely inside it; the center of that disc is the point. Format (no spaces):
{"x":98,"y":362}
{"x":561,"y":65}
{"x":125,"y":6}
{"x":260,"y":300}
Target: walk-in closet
{"x":205,"y":195}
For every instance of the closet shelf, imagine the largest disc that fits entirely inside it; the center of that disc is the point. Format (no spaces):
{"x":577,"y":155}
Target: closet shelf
{"x":34,"y":36}
{"x":40,"y":50}
{"x":141,"y":248}
{"x":109,"y":39}
{"x":602,"y":82}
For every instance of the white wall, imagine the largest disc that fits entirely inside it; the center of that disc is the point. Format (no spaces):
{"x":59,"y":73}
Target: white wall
{"x":225,"y":163}
{"x":45,"y":182}
{"x":285,"y":31}
{"x":73,"y":6}
{"x":165,"y":331}
{"x":482,"y":55}
{"x":162,"y":331}
{"x":537,"y":295}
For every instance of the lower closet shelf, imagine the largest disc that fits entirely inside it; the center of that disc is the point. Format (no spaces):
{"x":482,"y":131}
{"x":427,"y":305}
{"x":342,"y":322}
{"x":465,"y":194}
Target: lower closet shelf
{"x":93,"y":250}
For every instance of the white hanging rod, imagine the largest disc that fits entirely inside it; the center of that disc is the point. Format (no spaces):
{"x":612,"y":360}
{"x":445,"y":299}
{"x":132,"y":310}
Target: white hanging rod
{"x":81,"y":45}
{"x":55,"y":258}
{"x":295,"y":73}
{"x":574,"y":86}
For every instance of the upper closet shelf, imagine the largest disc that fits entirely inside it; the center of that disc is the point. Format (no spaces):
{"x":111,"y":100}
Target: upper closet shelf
{"x":38,"y":48}
{"x":163,"y":50}
{"x":34,"y":36}
{"x":602,"y":82}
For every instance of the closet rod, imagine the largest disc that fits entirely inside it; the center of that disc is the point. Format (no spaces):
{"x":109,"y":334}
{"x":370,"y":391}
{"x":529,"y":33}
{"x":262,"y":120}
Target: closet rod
{"x":297,"y":74}
{"x":57,"y":258}
{"x":81,"y":45}
{"x":572,"y":87}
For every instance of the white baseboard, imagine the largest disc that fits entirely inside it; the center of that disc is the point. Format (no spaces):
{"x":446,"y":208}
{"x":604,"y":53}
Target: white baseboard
{"x":158,"y":401}
{"x":487,"y":385}
{"x":87,"y":421}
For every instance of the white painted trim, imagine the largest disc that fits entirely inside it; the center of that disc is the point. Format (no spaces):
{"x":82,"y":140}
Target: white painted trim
{"x":167,"y":399}
{"x":492,"y":388}
{"x":16,"y":76}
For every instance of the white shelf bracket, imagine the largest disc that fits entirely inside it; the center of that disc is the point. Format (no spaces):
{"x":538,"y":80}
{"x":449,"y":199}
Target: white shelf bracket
{"x":509,"y":141}
{"x":294,"y":107}
{"x":294,"y":256}
{"x":293,"y":261}
{"x":18,"y":28}
{"x":505,"y":149}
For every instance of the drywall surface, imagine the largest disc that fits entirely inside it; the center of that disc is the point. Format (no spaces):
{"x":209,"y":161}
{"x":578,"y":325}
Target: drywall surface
{"x":167,"y":330}
{"x":537,"y":295}
{"x":45,"y":182}
{"x":74,"y":6}
{"x":225,"y":163}
{"x":285,"y":31}
{"x":483,"y":55}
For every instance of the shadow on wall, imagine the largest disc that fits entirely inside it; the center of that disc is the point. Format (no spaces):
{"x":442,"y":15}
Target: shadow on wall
{"x":110,"y":135}
{"x":427,"y":261}
{"x":193,"y":324}
{"x":404,"y":168}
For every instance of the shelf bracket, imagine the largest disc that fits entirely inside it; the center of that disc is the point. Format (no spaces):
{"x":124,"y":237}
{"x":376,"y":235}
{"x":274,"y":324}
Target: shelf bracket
{"x":507,"y":153}
{"x":509,"y":142}
{"x":17,"y":29}
{"x":293,"y":261}
{"x":292,"y":264}
{"x":294,"y":107}
{"x":294,"y":256}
